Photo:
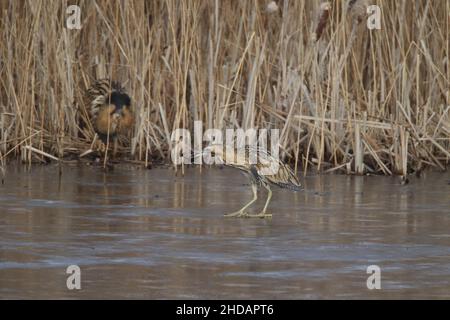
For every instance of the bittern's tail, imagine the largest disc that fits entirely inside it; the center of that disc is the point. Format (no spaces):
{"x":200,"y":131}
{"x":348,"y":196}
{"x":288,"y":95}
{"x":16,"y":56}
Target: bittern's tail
{"x":293,"y":182}
{"x":291,"y":186}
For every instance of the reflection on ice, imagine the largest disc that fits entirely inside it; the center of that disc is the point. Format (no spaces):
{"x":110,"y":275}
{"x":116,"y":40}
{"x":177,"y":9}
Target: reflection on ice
{"x":151,"y":234}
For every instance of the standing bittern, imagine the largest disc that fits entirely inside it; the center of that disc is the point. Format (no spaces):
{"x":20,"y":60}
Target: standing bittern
{"x":109,"y":111}
{"x":266,"y":171}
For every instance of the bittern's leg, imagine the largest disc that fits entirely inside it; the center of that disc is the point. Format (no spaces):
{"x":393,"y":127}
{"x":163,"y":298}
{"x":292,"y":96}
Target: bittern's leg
{"x":242,"y":213}
{"x":269,"y":197}
{"x":263,"y":213}
{"x":101,"y":147}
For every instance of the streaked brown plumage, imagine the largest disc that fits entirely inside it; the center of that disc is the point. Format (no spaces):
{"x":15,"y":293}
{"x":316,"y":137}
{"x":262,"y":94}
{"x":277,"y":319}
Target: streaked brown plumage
{"x":109,"y":110}
{"x":266,"y":171}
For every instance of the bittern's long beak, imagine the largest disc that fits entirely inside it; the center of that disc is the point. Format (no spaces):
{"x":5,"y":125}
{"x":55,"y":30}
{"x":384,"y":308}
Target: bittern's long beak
{"x":196,"y":155}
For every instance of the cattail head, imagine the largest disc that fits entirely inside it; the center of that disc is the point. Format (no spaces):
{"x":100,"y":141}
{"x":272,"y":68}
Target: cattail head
{"x":272,"y":7}
{"x":324,"y":15}
{"x":357,"y":9}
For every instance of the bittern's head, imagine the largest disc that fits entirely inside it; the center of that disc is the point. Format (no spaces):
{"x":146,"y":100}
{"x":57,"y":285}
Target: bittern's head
{"x":221,"y":153}
{"x":118,"y":102}
{"x":233,"y":155}
{"x":215,"y":150}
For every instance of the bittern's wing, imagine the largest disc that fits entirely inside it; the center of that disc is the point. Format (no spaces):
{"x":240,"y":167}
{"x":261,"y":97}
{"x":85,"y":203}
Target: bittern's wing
{"x":98,"y":93}
{"x":277,"y":172}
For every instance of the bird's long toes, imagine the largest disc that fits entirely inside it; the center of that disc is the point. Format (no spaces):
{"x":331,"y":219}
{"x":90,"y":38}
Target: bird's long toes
{"x":231,"y":215}
{"x":237,"y":214}
{"x":262,"y":215}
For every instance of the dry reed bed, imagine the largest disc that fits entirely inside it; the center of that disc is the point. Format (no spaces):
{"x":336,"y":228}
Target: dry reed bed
{"x":344,"y":97}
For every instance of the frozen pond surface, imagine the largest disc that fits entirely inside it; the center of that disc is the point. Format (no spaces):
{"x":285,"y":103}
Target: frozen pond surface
{"x":150,"y":234}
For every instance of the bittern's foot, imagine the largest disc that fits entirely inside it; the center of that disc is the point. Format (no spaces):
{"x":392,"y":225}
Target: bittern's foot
{"x":261,"y":215}
{"x":237,"y":214}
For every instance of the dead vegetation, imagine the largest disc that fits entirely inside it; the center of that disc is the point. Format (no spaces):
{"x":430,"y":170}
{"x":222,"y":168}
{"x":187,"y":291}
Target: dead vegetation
{"x":344,"y":97}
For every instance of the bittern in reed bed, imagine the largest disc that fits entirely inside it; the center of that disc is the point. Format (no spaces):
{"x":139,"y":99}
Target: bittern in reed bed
{"x":109,"y":111}
{"x":267,"y":170}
